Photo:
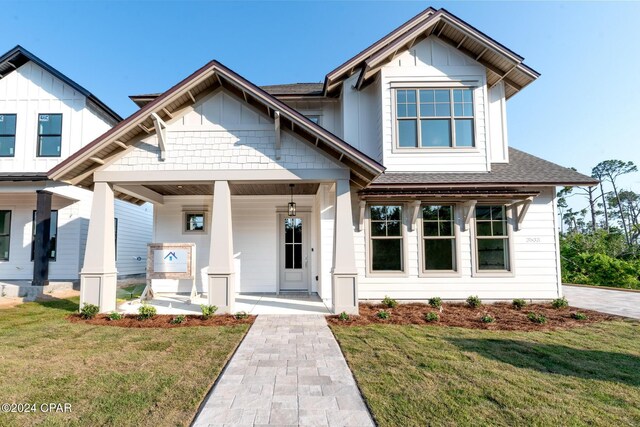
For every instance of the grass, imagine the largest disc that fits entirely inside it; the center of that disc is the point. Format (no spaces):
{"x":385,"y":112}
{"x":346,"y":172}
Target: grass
{"x":425,"y":375}
{"x":110,"y":375}
{"x":130,"y":292}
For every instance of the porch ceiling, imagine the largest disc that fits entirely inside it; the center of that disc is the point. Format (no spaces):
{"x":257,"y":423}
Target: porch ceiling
{"x":237,"y":189}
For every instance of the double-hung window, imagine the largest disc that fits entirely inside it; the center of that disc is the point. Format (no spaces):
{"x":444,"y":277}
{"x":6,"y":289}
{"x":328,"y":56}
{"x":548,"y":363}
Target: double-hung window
{"x":5,"y":234}
{"x":492,"y":238}
{"x":7,"y":135}
{"x":386,"y":238}
{"x":53,"y":235}
{"x":429,"y":118}
{"x":438,"y":238}
{"x":49,"y":135}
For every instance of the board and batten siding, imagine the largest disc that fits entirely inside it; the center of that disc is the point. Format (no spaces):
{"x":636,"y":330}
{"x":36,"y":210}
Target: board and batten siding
{"x":534,"y":262}
{"x":361,"y":109}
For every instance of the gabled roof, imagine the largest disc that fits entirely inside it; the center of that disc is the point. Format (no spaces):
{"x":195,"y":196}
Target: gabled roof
{"x":501,"y":63}
{"x":18,"y":56}
{"x":78,"y":168}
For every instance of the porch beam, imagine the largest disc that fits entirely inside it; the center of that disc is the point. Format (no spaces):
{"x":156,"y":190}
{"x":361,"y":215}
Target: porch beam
{"x":141,"y":192}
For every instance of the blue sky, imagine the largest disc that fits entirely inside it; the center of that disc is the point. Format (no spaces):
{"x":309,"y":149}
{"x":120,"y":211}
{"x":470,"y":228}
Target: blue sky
{"x":583,"y":109}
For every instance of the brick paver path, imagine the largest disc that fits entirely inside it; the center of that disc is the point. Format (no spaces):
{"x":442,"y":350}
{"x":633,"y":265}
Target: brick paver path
{"x":288,"y":370}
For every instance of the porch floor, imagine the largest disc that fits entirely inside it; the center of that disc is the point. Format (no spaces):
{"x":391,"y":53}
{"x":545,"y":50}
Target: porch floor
{"x":290,"y":303}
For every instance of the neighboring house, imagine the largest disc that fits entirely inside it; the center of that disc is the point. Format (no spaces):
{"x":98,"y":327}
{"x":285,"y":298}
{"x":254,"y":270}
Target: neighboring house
{"x":44,"y":118}
{"x":404,"y":183}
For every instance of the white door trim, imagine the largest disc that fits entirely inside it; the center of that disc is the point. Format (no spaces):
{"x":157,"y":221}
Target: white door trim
{"x":306,"y":248}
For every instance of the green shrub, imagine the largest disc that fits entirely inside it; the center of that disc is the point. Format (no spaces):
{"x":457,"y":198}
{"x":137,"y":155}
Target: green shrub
{"x":178,"y":319}
{"x":241,"y":315}
{"x":579,"y":316}
{"x":89,"y":311}
{"x":343,"y":316}
{"x":537,"y":318}
{"x":114,"y":315}
{"x":518,"y":303}
{"x":431,"y":317}
{"x":208,"y":310}
{"x":383,"y":314}
{"x":435,"y":302}
{"x":389,"y":302}
{"x":146,"y":311}
{"x":560,"y":303}
{"x":487,"y":318}
{"x":590,"y":262}
{"x":473,"y":301}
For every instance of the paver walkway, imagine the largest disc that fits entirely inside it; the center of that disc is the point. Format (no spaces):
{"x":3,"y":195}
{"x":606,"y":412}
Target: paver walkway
{"x":288,"y":370}
{"x":608,"y":301}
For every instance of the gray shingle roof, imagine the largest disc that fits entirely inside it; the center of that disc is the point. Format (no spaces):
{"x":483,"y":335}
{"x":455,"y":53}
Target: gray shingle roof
{"x":308,"y":89}
{"x":22,"y":176}
{"x":522,"y":169}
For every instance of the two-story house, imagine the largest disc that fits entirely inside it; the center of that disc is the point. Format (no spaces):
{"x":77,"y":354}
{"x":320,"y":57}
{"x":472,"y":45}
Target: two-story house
{"x":393,"y":177}
{"x":44,"y":118}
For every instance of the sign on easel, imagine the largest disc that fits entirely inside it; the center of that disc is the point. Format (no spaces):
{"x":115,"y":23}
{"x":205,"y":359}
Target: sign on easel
{"x":174,"y":261}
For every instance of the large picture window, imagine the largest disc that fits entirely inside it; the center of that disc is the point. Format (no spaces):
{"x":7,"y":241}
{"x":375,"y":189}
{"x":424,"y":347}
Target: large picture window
{"x":53,"y":235}
{"x":49,"y":135}
{"x":5,"y":234}
{"x":438,"y":238}
{"x":386,"y":238}
{"x":7,"y":135}
{"x":492,"y":238}
{"x":434,"y":118}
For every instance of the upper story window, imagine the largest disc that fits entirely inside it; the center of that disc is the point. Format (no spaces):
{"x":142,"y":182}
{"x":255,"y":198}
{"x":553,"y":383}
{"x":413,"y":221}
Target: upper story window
{"x":314,"y":118}
{"x":49,"y":135}
{"x":7,"y":135}
{"x":434,"y":118}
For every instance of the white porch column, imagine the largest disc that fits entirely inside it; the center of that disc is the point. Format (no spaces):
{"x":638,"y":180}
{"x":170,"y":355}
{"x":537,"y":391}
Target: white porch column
{"x":98,"y":278}
{"x":344,"y":273}
{"x":221,"y":274}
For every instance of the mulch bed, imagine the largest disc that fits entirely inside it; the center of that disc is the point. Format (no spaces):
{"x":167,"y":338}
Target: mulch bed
{"x":163,"y":321}
{"x":506,"y":317}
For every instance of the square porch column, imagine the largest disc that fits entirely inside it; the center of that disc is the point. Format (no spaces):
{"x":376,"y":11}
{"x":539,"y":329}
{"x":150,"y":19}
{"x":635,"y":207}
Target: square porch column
{"x":42,"y":240}
{"x":344,"y":284}
{"x":220,"y":272}
{"x":98,"y":278}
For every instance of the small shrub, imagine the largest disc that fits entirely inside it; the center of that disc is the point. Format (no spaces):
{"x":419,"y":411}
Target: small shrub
{"x":89,"y":311}
{"x":208,"y":310}
{"x":487,"y":319}
{"x":579,"y":316}
{"x":519,"y":303}
{"x":537,"y":318}
{"x":435,"y":302}
{"x":432,"y":317}
{"x":178,"y":319}
{"x":241,"y":315}
{"x":146,"y":311}
{"x":560,"y":303}
{"x":114,"y":315}
{"x":473,"y":301}
{"x":343,"y":316}
{"x":383,"y":314}
{"x":389,"y":302}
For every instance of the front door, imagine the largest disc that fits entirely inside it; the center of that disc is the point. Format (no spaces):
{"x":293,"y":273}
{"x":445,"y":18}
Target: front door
{"x":294,"y":253}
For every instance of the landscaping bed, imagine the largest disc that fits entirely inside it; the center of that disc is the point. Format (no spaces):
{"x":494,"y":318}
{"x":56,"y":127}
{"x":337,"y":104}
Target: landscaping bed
{"x":504,"y":316}
{"x":163,"y":321}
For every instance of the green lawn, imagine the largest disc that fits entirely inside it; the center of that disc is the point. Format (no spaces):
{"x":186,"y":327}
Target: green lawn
{"x":109,"y":375}
{"x":429,"y":375}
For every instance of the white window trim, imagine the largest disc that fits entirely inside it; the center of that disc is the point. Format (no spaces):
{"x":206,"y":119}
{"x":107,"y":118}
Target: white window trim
{"x":456,"y":235}
{"x":11,"y":210}
{"x":205,"y":228}
{"x":475,"y":272}
{"x":368,"y":247}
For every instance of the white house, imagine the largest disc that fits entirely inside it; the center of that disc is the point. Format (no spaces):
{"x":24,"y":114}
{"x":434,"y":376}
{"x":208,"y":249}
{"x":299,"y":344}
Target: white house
{"x":44,"y":118}
{"x":399,"y":166}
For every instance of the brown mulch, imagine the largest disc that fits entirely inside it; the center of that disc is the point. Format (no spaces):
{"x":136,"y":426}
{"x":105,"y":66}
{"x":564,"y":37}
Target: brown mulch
{"x":163,"y":321}
{"x":506,"y":317}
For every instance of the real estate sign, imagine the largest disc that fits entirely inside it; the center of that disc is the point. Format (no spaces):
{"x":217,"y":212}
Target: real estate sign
{"x":171,"y":261}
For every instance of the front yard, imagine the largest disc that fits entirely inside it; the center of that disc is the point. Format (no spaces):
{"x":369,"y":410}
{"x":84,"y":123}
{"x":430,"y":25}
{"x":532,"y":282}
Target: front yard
{"x":418,"y":375}
{"x":109,"y":375}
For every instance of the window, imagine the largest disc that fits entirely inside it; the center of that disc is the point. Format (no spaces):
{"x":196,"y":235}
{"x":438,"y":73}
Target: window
{"x":434,"y":118}
{"x":53,"y":235}
{"x":49,"y":135}
{"x":438,"y":238}
{"x":492,"y":240}
{"x":194,"y":222}
{"x":314,"y":118}
{"x":7,"y":135}
{"x":386,"y":238}
{"x":5,"y":234}
{"x":293,"y":243}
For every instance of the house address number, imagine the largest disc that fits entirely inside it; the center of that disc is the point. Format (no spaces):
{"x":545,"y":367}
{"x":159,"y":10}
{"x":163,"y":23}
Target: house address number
{"x":533,"y":240}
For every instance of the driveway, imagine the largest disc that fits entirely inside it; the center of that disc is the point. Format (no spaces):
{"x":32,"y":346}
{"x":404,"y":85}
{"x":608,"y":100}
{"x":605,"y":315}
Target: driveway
{"x":621,"y":303}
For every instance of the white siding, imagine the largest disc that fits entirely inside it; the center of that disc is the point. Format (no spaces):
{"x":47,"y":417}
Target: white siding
{"x":362,"y":117}
{"x":327,"y":110}
{"x":498,"y":124}
{"x":134,"y":232}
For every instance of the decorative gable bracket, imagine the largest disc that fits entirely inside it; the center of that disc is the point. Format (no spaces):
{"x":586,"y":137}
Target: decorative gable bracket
{"x":414,"y":209}
{"x":361,"y":209}
{"x":521,"y":209}
{"x":467,"y":212}
{"x":161,"y":133}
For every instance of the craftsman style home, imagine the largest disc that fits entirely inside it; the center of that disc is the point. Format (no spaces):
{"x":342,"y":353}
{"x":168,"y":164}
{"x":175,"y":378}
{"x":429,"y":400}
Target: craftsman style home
{"x":393,"y":177}
{"x":44,"y":118}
